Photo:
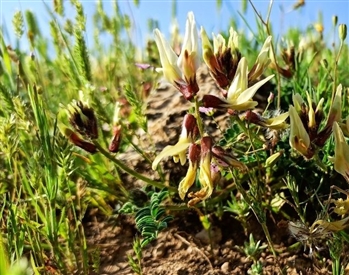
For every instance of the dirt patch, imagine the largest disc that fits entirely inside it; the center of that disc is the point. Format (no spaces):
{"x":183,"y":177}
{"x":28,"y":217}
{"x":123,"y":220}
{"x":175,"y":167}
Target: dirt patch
{"x":184,"y":248}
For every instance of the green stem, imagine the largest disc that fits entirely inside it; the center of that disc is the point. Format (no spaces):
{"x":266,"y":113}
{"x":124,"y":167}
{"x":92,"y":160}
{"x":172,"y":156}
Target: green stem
{"x":198,"y":117}
{"x":267,"y":235}
{"x":258,"y":214}
{"x":335,"y":70}
{"x":131,"y":172}
{"x":245,"y":130}
{"x":267,"y":26}
{"x":320,"y":164}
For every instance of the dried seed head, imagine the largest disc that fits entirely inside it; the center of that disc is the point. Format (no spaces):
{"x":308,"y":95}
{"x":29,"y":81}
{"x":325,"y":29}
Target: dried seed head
{"x":83,"y":119}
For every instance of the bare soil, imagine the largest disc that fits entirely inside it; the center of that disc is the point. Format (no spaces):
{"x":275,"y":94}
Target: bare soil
{"x":184,"y":248}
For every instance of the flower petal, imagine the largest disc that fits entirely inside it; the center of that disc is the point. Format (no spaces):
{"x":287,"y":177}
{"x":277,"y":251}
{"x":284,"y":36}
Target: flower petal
{"x":188,"y":180}
{"x":341,"y":152}
{"x":239,"y":83}
{"x":250,"y":92}
{"x":170,"y":150}
{"x":168,"y":58}
{"x":277,"y":121}
{"x":299,"y":138}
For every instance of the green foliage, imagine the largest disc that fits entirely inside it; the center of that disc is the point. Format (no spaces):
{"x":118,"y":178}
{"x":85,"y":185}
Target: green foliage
{"x":152,"y":219}
{"x":138,"y":106}
{"x":33,"y":28}
{"x":136,"y":263}
{"x":252,"y":249}
{"x":58,"y":7}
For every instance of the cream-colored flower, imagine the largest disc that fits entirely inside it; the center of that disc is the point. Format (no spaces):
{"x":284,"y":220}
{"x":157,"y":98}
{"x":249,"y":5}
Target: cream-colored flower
{"x":189,"y":179}
{"x":207,"y":51}
{"x":239,"y":95}
{"x":299,"y":138}
{"x":178,"y":151}
{"x":275,"y":123}
{"x":188,"y":60}
{"x":336,"y":108}
{"x":341,"y":152}
{"x":168,"y":58}
{"x":222,"y":58}
{"x":262,"y":61}
{"x":220,"y":45}
{"x":311,"y":113}
{"x":298,"y":102}
{"x":278,"y":122}
{"x":180,"y":71}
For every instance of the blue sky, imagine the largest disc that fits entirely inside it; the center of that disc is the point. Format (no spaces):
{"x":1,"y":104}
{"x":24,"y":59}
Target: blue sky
{"x":206,"y":14}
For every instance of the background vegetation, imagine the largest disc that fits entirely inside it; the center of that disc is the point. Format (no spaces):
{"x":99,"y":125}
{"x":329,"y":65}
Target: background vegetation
{"x":48,"y":183}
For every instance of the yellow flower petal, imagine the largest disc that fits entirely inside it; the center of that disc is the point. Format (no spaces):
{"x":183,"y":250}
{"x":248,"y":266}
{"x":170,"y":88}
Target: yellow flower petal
{"x":278,"y":122}
{"x":205,"y":178}
{"x":297,"y":102}
{"x":239,"y":83}
{"x":187,"y":181}
{"x":171,"y":150}
{"x":250,"y":92}
{"x":299,"y":138}
{"x":341,"y":152}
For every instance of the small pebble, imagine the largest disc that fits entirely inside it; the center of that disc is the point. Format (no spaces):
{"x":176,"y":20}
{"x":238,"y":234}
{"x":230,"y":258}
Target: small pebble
{"x":225,"y":267}
{"x":159,"y":251}
{"x":204,"y":236}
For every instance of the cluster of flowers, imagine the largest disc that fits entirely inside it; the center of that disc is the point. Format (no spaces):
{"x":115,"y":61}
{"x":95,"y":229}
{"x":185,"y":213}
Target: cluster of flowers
{"x":238,"y":85}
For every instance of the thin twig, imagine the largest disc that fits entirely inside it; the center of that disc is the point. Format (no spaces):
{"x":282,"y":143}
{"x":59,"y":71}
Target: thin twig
{"x":132,"y":172}
{"x":266,"y":24}
{"x":194,"y":247}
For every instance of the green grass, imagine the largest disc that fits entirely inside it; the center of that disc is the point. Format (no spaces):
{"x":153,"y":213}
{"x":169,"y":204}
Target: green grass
{"x":59,"y":116}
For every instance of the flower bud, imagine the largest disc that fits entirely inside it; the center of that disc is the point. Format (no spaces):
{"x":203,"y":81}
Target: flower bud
{"x":270,"y":98}
{"x":116,"y":140}
{"x":324,"y":63}
{"x":215,"y":174}
{"x":78,"y":141}
{"x":334,"y":20}
{"x":253,"y":117}
{"x":190,"y":127}
{"x":226,"y":159}
{"x":319,"y":27}
{"x":342,"y":29}
{"x":271,"y":161}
